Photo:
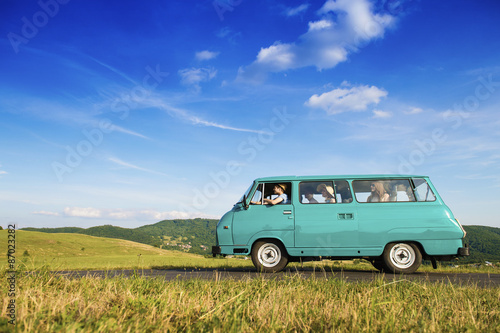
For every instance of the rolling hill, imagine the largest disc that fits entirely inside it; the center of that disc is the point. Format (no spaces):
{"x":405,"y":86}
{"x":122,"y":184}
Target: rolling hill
{"x":198,"y":235}
{"x":193,"y":236}
{"x":73,"y":251}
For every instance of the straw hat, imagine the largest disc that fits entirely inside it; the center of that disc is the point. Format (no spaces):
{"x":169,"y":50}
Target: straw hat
{"x":322,"y":187}
{"x":283,"y":186}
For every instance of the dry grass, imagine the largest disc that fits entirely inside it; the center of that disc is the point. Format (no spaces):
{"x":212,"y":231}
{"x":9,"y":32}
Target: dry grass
{"x":50,"y":303}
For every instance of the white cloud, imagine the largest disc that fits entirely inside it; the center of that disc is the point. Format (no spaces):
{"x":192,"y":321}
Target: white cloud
{"x":120,"y":214}
{"x":381,"y":114}
{"x":206,"y":55}
{"x":347,"y":99}
{"x":414,"y":110}
{"x":42,"y":212}
{"x":82,"y":212}
{"x":194,"y":76}
{"x":278,"y":56}
{"x":326,"y":43}
{"x":297,"y":10}
{"x":320,"y":25}
{"x":2,"y":172}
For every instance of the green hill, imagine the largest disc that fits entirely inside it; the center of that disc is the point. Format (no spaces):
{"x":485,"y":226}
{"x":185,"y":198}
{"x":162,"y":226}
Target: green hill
{"x":193,"y":236}
{"x":63,"y":251}
{"x":67,"y":244}
{"x":484,"y":243}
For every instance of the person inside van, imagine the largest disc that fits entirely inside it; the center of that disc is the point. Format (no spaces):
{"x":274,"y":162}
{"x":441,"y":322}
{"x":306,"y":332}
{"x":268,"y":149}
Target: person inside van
{"x":327,"y":192}
{"x":282,"y":198}
{"x":308,"y":194}
{"x":378,"y":193}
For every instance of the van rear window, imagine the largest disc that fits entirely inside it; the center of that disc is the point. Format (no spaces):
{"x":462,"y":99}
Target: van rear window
{"x":383,"y":190}
{"x":423,"y":192}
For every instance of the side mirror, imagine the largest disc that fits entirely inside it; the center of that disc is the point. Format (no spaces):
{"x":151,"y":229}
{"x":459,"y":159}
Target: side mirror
{"x":244,"y":201}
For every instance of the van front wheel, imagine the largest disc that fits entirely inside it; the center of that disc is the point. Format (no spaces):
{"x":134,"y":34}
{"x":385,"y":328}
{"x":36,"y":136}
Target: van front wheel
{"x":269,"y":256}
{"x":402,"y":258}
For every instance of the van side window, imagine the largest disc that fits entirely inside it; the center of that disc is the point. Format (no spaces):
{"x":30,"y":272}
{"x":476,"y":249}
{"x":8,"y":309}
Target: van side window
{"x":422,"y":190}
{"x":343,"y":191}
{"x":267,"y":191}
{"x":317,"y":192}
{"x":383,"y":190}
{"x":257,"y":197}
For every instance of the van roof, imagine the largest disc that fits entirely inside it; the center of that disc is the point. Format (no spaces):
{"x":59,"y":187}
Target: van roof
{"x":384,"y":176}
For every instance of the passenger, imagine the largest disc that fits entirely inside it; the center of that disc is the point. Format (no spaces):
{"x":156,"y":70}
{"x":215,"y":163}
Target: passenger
{"x":327,"y":192}
{"x":282,"y":198}
{"x":378,"y":193}
{"x":308,"y":194}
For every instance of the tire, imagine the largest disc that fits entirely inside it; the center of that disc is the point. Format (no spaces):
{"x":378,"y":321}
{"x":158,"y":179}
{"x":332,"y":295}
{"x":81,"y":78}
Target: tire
{"x":269,"y":256}
{"x":402,"y":258}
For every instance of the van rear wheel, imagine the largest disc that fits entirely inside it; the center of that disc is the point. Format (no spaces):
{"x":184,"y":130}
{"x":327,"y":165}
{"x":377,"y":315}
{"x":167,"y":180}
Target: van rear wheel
{"x":269,"y":256}
{"x":402,"y":258}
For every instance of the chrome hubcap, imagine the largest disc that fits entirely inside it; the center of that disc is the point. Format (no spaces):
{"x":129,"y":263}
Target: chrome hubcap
{"x":402,"y":255}
{"x":269,"y":255}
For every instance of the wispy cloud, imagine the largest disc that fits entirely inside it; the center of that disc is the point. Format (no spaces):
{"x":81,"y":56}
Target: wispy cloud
{"x":294,"y":11}
{"x":130,"y":132}
{"x":381,"y":114}
{"x":114,"y":70}
{"x":230,"y":35}
{"x":132,"y":166}
{"x":193,"y":119}
{"x":414,"y":110}
{"x":43,"y":212}
{"x":206,"y":55}
{"x":192,"y":77}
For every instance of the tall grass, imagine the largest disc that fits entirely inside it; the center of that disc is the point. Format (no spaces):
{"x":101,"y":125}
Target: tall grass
{"x":47,"y":302}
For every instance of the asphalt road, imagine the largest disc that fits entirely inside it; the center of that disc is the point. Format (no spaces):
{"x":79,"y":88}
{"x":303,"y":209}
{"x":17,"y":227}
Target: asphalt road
{"x":481,"y":280}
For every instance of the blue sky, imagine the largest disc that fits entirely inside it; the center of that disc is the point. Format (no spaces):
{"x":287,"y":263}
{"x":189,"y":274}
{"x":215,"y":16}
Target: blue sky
{"x":127,"y":112}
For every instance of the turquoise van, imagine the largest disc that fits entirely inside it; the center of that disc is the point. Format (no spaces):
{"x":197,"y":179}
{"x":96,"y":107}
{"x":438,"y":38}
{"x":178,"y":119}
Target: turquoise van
{"x":393,"y":221}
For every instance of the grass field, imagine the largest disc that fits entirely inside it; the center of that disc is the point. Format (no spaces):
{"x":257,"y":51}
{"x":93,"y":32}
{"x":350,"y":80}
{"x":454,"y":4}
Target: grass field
{"x":50,"y":303}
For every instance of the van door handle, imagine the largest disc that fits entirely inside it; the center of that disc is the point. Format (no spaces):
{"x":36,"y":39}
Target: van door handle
{"x":345,"y":216}
{"x":287,"y":212}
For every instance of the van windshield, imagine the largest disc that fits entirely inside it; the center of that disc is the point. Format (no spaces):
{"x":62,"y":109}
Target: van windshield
{"x":246,"y":193}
